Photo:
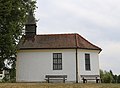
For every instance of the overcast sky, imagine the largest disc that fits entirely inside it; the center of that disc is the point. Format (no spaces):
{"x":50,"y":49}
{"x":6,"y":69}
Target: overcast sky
{"x":96,"y":20}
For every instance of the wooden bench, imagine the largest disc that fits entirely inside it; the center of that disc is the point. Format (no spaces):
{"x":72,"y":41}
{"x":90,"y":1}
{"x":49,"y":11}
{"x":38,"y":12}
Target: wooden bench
{"x":56,"y":77}
{"x":90,"y":77}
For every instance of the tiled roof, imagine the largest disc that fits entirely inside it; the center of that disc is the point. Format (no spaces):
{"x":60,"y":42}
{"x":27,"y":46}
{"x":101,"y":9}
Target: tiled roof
{"x":56,"y":41}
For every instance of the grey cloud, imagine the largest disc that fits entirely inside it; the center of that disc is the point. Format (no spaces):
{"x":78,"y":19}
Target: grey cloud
{"x":96,"y":20}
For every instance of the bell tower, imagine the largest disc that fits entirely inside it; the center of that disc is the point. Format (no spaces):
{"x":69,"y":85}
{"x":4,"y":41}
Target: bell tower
{"x":30,"y":26}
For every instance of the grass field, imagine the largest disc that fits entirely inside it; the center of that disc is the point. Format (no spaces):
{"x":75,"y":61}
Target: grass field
{"x":45,"y":85}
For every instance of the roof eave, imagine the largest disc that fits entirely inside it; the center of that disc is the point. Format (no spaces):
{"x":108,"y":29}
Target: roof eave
{"x":59,"y":48}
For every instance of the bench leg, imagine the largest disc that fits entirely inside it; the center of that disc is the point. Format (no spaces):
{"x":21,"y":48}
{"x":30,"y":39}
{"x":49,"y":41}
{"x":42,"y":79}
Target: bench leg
{"x":63,"y":80}
{"x":48,"y":79}
{"x":83,"y":80}
{"x":97,"y":80}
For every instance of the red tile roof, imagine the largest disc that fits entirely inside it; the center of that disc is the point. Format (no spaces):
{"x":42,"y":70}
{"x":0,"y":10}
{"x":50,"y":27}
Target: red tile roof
{"x":56,"y":41}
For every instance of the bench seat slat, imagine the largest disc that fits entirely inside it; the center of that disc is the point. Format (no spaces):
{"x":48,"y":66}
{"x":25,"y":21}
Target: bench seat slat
{"x":55,"y":79}
{"x":56,"y":76}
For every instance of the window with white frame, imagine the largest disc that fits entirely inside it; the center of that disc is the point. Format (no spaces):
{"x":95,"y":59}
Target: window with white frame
{"x":57,"y":61}
{"x":87,"y":62}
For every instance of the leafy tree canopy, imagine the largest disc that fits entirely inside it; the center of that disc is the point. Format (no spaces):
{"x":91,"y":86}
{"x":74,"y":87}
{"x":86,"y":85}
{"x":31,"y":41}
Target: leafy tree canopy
{"x":13,"y":14}
{"x":109,"y":77}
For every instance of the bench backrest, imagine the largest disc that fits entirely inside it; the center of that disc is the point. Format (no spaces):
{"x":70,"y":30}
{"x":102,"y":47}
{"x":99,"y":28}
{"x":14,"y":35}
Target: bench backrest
{"x":56,"y":76}
{"x":90,"y":77}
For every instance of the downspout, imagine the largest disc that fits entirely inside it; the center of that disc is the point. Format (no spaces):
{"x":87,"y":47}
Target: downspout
{"x":76,"y":66}
{"x":76,"y":58}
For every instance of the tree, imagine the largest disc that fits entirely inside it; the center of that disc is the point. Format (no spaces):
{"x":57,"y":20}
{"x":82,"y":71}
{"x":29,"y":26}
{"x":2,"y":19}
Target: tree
{"x":101,"y":75}
{"x":106,"y":77}
{"x":113,"y":76}
{"x":13,"y":14}
{"x":118,"y":79}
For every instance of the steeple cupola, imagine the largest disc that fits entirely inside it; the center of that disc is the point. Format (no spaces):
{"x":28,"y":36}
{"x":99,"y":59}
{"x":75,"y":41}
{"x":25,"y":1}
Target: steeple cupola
{"x":30,"y":26}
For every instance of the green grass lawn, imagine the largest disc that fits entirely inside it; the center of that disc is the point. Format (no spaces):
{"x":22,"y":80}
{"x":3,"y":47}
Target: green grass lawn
{"x":46,"y":85}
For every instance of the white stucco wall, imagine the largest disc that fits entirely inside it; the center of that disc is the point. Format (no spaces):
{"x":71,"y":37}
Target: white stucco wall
{"x":32,"y":66}
{"x":94,"y":62}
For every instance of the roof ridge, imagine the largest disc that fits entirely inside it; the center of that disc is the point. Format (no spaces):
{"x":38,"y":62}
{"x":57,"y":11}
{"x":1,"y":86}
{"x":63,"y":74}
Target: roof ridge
{"x":58,"y":34}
